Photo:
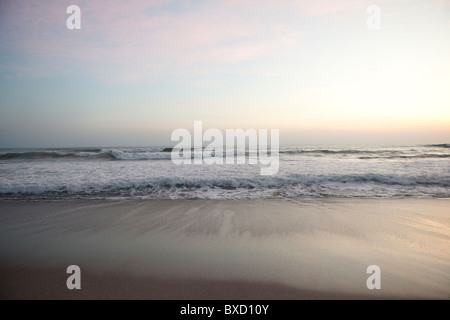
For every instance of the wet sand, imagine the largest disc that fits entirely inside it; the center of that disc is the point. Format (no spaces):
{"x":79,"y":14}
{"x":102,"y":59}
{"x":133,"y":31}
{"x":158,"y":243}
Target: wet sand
{"x":197,"y":249}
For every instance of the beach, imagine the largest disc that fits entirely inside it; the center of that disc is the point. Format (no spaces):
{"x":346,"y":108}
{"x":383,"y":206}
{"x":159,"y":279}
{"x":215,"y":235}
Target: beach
{"x":225,"y":249}
{"x":225,"y":150}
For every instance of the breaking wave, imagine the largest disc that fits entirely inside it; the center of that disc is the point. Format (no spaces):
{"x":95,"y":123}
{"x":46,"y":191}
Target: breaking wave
{"x":368,"y":185}
{"x":164,"y":153}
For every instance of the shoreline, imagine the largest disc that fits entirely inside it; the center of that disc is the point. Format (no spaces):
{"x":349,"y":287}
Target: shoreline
{"x":225,"y":249}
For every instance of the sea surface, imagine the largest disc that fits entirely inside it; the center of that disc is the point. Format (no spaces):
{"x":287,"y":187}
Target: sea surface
{"x":413,"y":171}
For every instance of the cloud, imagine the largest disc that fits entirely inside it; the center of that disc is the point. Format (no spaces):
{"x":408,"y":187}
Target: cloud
{"x":134,"y":40}
{"x":145,"y":39}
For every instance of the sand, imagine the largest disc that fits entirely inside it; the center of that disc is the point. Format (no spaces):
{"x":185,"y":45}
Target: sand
{"x":197,"y":249}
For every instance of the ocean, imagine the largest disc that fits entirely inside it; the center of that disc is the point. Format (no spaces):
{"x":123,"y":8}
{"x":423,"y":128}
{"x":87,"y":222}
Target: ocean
{"x":306,"y":171}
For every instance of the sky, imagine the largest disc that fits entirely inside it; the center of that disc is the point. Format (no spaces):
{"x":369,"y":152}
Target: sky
{"x":137,"y":70}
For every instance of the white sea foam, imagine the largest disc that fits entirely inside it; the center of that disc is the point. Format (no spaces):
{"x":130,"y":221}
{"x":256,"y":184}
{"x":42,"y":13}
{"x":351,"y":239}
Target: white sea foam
{"x":311,"y":171}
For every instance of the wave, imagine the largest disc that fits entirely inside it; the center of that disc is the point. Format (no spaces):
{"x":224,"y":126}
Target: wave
{"x":420,"y":156}
{"x":137,"y":154}
{"x":164,"y":153}
{"x":404,"y":153}
{"x":104,"y":154}
{"x":442,"y":145}
{"x":295,"y":185}
{"x":41,"y":155}
{"x":327,"y":151}
{"x":33,"y":155}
